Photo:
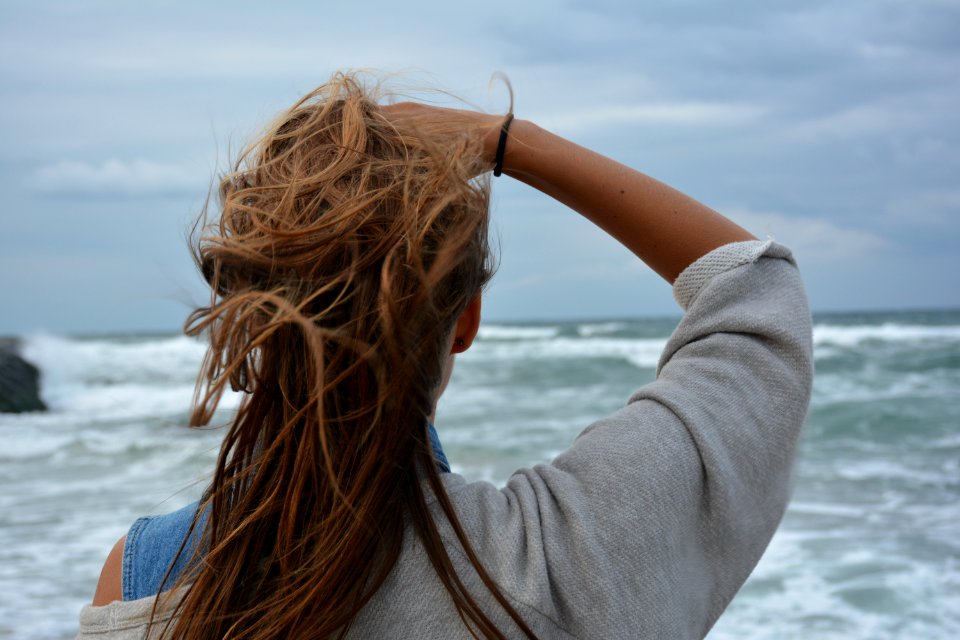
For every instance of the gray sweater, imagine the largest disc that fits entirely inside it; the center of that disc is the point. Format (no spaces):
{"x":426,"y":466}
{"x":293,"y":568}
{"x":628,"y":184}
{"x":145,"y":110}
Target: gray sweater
{"x":651,"y":521}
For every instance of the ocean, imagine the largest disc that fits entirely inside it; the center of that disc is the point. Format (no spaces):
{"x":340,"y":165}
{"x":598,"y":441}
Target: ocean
{"x":869,"y":547}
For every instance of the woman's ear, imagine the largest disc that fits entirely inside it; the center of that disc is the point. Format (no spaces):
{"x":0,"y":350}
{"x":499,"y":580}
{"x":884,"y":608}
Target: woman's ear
{"x":467,"y":326}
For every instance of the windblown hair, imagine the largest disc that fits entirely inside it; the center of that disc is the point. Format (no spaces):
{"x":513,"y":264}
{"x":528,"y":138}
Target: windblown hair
{"x":345,"y":251}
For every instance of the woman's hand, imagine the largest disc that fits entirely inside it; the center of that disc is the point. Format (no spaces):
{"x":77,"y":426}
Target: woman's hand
{"x":440,"y":122}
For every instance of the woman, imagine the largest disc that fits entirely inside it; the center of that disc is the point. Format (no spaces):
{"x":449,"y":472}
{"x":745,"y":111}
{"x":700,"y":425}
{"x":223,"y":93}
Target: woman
{"x":346,"y":268}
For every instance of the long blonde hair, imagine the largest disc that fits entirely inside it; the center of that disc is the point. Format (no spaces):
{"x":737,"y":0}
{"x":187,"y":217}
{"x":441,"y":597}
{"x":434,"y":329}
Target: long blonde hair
{"x":345,"y":251}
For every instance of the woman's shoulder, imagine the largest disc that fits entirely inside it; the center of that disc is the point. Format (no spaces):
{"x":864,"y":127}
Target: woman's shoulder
{"x":152,"y":555}
{"x":110,"y":586}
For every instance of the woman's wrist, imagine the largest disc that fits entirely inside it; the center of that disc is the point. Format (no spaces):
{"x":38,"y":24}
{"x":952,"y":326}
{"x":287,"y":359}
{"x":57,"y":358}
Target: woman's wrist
{"x":517,"y":152}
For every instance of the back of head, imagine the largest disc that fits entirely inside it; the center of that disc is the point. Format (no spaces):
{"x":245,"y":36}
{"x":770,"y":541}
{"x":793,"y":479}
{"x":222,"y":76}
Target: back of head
{"x":345,"y":250}
{"x":348,"y":232}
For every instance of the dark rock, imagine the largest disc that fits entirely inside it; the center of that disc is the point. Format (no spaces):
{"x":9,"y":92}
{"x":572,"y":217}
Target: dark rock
{"x":19,"y":381}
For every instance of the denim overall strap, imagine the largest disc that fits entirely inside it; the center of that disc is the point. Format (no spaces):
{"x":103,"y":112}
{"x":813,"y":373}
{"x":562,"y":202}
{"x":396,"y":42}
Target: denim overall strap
{"x":443,"y":464}
{"x":151,"y":547}
{"x":152,"y":542}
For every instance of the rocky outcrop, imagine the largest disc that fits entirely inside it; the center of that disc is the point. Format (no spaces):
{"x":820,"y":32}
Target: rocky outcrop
{"x":19,"y":381}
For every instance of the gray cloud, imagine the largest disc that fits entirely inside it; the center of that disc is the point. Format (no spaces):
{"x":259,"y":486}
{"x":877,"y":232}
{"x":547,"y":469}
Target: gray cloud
{"x":812,"y":238}
{"x":832,"y":125}
{"x":114,"y":178}
{"x":673,"y":114}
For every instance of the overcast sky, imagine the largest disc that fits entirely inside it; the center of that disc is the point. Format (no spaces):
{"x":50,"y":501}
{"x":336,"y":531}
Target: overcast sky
{"x":831,"y":126}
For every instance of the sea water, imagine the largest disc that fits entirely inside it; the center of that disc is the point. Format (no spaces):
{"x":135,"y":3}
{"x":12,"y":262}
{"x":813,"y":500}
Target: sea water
{"x":869,"y":547}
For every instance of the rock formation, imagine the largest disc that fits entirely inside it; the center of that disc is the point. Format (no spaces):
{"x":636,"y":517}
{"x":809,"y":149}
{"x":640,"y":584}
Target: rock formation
{"x":19,"y":381}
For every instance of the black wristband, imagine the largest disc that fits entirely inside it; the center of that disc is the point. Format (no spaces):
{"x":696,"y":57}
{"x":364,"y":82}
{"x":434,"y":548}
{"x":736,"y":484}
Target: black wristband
{"x":502,"y":146}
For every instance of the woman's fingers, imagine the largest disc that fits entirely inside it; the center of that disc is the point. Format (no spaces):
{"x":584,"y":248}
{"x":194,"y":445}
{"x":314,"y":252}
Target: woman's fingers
{"x":443,"y":122}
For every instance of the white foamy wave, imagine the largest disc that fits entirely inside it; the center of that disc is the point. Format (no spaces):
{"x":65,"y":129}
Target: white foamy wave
{"x":821,"y":583}
{"x":504,"y":332}
{"x":827,"y":509}
{"x":588,"y":330}
{"x":643,"y":353}
{"x":829,"y":388}
{"x":134,"y":401}
{"x":154,"y":360}
{"x":851,"y":336}
{"x":39,"y":442}
{"x":117,"y":379}
{"x":885,"y":471}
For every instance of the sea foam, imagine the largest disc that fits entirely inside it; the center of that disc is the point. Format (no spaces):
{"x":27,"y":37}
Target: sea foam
{"x":851,"y":336}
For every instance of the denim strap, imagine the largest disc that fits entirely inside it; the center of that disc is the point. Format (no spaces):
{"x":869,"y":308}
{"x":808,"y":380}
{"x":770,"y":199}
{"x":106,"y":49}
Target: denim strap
{"x":152,"y":542}
{"x":442,"y":463}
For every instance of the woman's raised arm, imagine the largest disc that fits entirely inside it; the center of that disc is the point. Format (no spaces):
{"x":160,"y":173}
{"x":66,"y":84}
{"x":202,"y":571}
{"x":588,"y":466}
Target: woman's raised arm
{"x":665,"y":228}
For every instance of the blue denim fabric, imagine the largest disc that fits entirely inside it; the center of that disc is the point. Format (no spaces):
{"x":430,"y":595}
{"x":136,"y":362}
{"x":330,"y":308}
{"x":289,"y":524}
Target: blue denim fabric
{"x":153,"y":542}
{"x":151,"y":546}
{"x":443,"y":464}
